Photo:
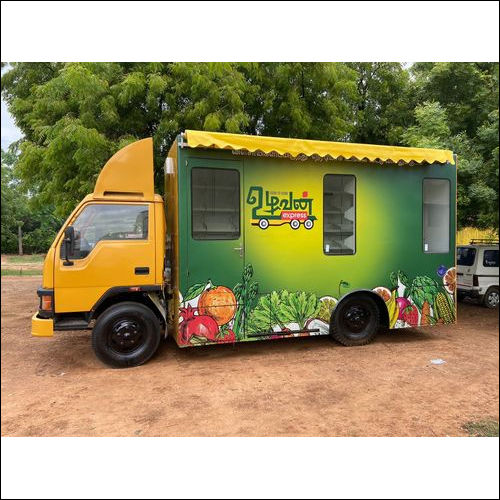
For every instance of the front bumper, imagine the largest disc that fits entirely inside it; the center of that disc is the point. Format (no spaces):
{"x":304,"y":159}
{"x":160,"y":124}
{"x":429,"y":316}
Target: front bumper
{"x":41,"y":327}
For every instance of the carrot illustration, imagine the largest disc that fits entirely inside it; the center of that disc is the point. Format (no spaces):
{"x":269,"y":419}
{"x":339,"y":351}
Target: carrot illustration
{"x":426,"y":314}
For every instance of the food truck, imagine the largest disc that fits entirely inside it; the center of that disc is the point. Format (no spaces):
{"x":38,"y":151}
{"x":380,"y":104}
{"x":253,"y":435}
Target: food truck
{"x":256,"y":238}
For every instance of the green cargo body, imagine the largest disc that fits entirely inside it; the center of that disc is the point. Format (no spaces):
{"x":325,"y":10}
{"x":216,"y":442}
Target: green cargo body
{"x":268,"y":246}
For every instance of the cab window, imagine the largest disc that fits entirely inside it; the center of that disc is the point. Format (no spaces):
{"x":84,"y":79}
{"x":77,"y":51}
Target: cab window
{"x":107,"y":222}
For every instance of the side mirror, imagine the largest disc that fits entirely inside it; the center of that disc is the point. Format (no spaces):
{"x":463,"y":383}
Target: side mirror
{"x":69,"y":244}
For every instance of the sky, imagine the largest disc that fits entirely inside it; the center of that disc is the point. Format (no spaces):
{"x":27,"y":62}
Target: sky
{"x":10,"y":132}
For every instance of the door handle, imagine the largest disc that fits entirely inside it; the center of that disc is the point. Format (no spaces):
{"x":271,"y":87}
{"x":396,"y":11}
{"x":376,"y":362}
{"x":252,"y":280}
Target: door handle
{"x":239,"y":249}
{"x":142,"y":270}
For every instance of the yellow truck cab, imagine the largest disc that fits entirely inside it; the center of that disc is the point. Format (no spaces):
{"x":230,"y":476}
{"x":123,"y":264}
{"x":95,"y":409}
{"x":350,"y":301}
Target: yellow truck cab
{"x":259,"y":238}
{"x":107,"y":263}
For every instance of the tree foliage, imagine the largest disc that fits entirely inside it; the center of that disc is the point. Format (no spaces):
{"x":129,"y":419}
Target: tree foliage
{"x":39,"y":227}
{"x":74,"y":116}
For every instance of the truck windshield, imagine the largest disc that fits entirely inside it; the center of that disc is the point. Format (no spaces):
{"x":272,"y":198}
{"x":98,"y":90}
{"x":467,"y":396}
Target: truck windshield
{"x":466,"y":256}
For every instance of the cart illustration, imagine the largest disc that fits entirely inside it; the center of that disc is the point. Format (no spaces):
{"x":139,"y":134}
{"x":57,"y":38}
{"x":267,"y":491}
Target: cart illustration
{"x":280,"y":208}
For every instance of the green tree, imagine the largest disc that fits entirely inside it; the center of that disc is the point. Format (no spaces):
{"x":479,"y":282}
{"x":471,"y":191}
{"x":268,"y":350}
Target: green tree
{"x":477,"y":189}
{"x":307,"y":100}
{"x":74,"y":116}
{"x":13,"y":206}
{"x":39,"y":226}
{"x":467,"y":91}
{"x":385,"y":102}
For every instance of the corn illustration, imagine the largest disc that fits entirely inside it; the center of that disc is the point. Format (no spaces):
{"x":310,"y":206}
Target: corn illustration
{"x":443,"y":309}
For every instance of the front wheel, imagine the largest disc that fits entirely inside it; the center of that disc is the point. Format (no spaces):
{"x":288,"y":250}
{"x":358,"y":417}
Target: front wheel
{"x":126,"y":334}
{"x":355,"y":321}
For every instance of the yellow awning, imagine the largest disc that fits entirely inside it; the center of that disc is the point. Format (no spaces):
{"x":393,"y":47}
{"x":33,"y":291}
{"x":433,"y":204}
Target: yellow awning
{"x":297,"y":148}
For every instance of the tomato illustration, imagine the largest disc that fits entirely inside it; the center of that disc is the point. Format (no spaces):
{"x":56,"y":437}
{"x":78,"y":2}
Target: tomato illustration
{"x":218,"y":302}
{"x":227,"y":336}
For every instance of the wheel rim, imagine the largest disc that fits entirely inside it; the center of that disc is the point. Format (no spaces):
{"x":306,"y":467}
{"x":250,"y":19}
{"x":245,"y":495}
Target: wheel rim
{"x":263,"y":223}
{"x":126,"y":335}
{"x":355,"y":319}
{"x":493,"y":299}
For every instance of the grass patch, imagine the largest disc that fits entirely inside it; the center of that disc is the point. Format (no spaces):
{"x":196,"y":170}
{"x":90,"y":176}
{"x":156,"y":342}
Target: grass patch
{"x":482,"y":428}
{"x":21,"y":272}
{"x":29,"y":259}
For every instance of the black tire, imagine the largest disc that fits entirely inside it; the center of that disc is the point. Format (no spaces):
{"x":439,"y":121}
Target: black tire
{"x":126,"y":334}
{"x":355,"y":321}
{"x":491,"y":298}
{"x":460,"y":296}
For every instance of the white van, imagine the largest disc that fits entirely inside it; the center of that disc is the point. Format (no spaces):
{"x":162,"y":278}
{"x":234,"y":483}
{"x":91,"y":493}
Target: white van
{"x":477,"y":272}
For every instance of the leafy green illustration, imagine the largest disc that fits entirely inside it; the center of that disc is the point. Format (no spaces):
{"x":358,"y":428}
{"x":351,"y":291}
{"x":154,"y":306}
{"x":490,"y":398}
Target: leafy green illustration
{"x":194,"y":291}
{"x":246,"y":294}
{"x":280,"y":308}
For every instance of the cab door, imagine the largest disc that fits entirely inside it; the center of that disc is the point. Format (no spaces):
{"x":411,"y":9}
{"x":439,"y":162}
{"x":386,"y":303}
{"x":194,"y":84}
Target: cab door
{"x":114,"y":246}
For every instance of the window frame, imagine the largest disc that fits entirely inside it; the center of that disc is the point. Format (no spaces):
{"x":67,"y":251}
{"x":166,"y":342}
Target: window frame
{"x":62,"y":251}
{"x":355,"y":221}
{"x":449,"y":215}
{"x":239,"y":203}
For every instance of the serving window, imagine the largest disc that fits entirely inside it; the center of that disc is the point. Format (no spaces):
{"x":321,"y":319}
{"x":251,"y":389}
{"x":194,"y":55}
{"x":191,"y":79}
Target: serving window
{"x":215,"y":204}
{"x":339,"y":214}
{"x":436,"y":215}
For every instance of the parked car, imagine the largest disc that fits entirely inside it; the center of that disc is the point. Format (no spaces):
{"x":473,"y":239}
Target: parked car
{"x":477,"y":272}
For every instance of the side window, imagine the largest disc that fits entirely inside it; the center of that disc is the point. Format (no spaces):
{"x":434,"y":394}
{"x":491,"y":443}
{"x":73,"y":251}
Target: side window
{"x":108,"y":222}
{"x":436,"y":215}
{"x":339,"y":214}
{"x":215,"y":204}
{"x":490,"y":258}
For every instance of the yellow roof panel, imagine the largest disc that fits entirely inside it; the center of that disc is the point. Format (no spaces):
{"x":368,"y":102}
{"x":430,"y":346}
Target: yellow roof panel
{"x":296,"y":148}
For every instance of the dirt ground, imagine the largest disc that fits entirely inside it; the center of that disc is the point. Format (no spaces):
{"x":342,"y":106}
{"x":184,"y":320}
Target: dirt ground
{"x":295,"y":387}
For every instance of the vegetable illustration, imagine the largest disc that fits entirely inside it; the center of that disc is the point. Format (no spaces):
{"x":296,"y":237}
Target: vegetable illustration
{"x":282,"y":308}
{"x":218,"y":302}
{"x":246,"y":294}
{"x":194,"y":291}
{"x":426,"y":317}
{"x":443,"y":308}
{"x":402,"y":303}
{"x":226,"y":335}
{"x":400,"y":282}
{"x":326,"y":308}
{"x":423,"y":289}
{"x":196,"y":325}
{"x":297,"y":307}
{"x":450,"y":280}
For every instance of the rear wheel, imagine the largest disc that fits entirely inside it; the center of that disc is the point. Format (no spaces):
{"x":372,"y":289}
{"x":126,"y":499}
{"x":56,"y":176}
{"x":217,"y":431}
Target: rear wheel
{"x":126,"y":334}
{"x":491,"y":298}
{"x":355,"y":321}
